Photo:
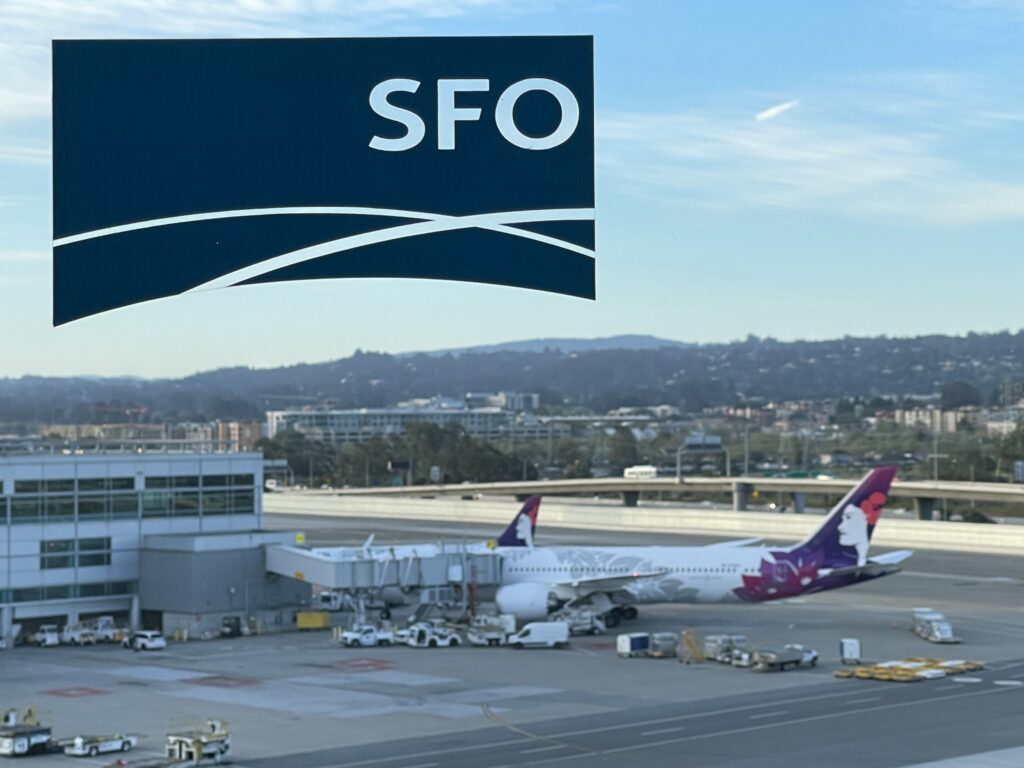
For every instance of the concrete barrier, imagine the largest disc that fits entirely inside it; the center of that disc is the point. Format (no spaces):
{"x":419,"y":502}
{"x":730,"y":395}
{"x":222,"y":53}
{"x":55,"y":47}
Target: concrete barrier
{"x":963,"y":537}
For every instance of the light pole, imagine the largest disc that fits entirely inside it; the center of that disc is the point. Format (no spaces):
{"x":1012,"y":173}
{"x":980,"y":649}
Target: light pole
{"x":746,"y":449}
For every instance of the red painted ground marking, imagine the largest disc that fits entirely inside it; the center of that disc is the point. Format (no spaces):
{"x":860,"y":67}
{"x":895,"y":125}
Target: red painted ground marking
{"x":72,"y":693}
{"x":364,"y":665}
{"x":221,"y":681}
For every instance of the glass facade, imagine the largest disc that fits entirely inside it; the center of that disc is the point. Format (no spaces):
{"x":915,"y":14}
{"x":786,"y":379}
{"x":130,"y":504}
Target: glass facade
{"x":69,"y":553}
{"x":68,"y":591}
{"x":89,"y":530}
{"x":109,"y":498}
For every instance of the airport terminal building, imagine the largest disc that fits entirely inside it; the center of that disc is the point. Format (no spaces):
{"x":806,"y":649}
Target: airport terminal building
{"x":75,"y":528}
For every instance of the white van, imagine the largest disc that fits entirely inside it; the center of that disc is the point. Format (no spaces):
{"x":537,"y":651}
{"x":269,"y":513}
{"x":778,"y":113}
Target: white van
{"x":541,"y":634}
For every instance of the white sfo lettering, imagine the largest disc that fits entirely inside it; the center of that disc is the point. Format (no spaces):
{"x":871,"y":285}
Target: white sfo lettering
{"x":449,"y":113}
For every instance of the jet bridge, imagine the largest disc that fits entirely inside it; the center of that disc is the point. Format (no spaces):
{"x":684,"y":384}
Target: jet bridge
{"x":358,"y":571}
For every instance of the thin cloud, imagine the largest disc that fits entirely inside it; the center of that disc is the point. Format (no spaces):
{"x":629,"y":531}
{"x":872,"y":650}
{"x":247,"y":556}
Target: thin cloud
{"x":775,"y":111}
{"x":901,"y":145}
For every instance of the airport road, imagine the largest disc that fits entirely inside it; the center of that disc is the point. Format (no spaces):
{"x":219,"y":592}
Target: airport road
{"x":855,"y":724}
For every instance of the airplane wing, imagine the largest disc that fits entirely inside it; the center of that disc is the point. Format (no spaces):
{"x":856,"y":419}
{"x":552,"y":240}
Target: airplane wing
{"x":610,"y":583}
{"x":734,"y":543}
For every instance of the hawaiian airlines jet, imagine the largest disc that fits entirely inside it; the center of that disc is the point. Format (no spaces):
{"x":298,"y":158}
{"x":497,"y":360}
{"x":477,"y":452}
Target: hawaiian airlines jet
{"x":614,"y":580}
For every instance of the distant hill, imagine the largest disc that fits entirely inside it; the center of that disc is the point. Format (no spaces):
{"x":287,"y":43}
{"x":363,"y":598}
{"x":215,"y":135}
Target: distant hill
{"x":601,"y":376}
{"x":623,"y":341}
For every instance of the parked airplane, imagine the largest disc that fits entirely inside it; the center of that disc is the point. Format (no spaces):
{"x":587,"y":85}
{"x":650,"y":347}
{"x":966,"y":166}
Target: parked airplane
{"x":614,"y":580}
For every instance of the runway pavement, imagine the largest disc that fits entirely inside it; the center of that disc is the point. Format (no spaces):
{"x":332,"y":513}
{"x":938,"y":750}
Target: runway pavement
{"x":857,"y":723}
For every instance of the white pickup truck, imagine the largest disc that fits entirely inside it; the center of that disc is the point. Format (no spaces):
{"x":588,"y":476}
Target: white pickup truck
{"x":366,"y":635}
{"x":106,"y":630}
{"x":90,"y":746}
{"x":78,"y":634}
{"x":790,"y":656}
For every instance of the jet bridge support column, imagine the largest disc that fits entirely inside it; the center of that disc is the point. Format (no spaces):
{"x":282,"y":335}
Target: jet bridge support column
{"x":741,"y":496}
{"x":630,"y":498}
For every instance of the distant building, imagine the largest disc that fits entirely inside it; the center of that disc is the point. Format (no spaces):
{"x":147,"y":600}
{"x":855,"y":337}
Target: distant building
{"x":509,"y":401}
{"x":361,"y":424}
{"x":237,"y":435}
{"x":935,"y":419}
{"x":104,"y":432}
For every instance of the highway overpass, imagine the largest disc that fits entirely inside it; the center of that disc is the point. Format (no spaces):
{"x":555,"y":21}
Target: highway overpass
{"x":922,"y":493}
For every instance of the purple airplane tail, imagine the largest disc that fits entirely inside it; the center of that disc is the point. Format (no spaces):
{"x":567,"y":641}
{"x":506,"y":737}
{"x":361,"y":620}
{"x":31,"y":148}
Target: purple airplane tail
{"x":520,"y":531}
{"x":836,"y":554}
{"x":844,"y":537}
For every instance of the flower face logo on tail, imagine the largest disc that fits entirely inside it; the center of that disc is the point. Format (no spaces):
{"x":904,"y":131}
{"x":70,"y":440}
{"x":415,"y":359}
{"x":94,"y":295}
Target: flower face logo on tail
{"x":782,"y":574}
{"x":524,"y":529}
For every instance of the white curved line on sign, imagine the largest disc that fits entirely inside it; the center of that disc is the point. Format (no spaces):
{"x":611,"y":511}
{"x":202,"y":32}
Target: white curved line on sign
{"x":240,"y":213}
{"x":491,"y":221}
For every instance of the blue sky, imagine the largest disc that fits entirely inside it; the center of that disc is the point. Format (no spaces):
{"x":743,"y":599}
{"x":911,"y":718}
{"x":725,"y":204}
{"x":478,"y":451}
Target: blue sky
{"x":792,"y":169}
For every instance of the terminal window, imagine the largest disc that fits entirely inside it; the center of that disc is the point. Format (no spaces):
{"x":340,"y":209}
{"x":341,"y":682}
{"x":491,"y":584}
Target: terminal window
{"x":67,"y":553}
{"x":68,"y":591}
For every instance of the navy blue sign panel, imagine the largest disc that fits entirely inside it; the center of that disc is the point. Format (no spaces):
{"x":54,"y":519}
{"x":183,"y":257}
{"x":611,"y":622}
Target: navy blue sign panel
{"x":184,"y":165}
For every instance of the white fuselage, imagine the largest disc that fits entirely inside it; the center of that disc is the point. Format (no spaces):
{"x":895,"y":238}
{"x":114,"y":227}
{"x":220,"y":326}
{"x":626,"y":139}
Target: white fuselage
{"x":684,"y":574}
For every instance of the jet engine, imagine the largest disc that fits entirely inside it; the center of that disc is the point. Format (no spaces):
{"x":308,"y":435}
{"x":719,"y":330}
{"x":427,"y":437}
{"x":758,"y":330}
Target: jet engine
{"x":527,"y":601}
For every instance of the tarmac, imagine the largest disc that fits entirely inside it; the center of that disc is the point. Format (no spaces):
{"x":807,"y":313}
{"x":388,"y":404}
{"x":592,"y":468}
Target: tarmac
{"x":298,"y":700}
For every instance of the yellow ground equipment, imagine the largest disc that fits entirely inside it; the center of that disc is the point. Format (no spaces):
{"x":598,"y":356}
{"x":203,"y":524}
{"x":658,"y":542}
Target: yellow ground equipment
{"x":690,"y":651}
{"x":313,"y":620}
{"x":910,"y":670}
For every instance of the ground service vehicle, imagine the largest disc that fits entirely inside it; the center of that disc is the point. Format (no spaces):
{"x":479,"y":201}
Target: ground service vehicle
{"x":145,"y":640}
{"x":231,"y":626}
{"x":213,"y":742}
{"x":849,"y":650}
{"x":46,"y":636}
{"x":664,"y":645}
{"x":427,"y":635}
{"x":584,"y":622}
{"x":789,"y":656}
{"x":91,"y":746}
{"x":78,"y":634}
{"x":106,"y":630}
{"x":366,"y":635}
{"x":741,"y":657}
{"x":633,"y":644}
{"x":491,"y":630}
{"x":933,"y":627}
{"x":720,"y":647}
{"x":541,"y":634}
{"x":27,"y":737}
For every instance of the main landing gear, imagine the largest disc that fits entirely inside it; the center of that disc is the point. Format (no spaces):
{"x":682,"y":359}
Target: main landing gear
{"x":619,"y":614}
